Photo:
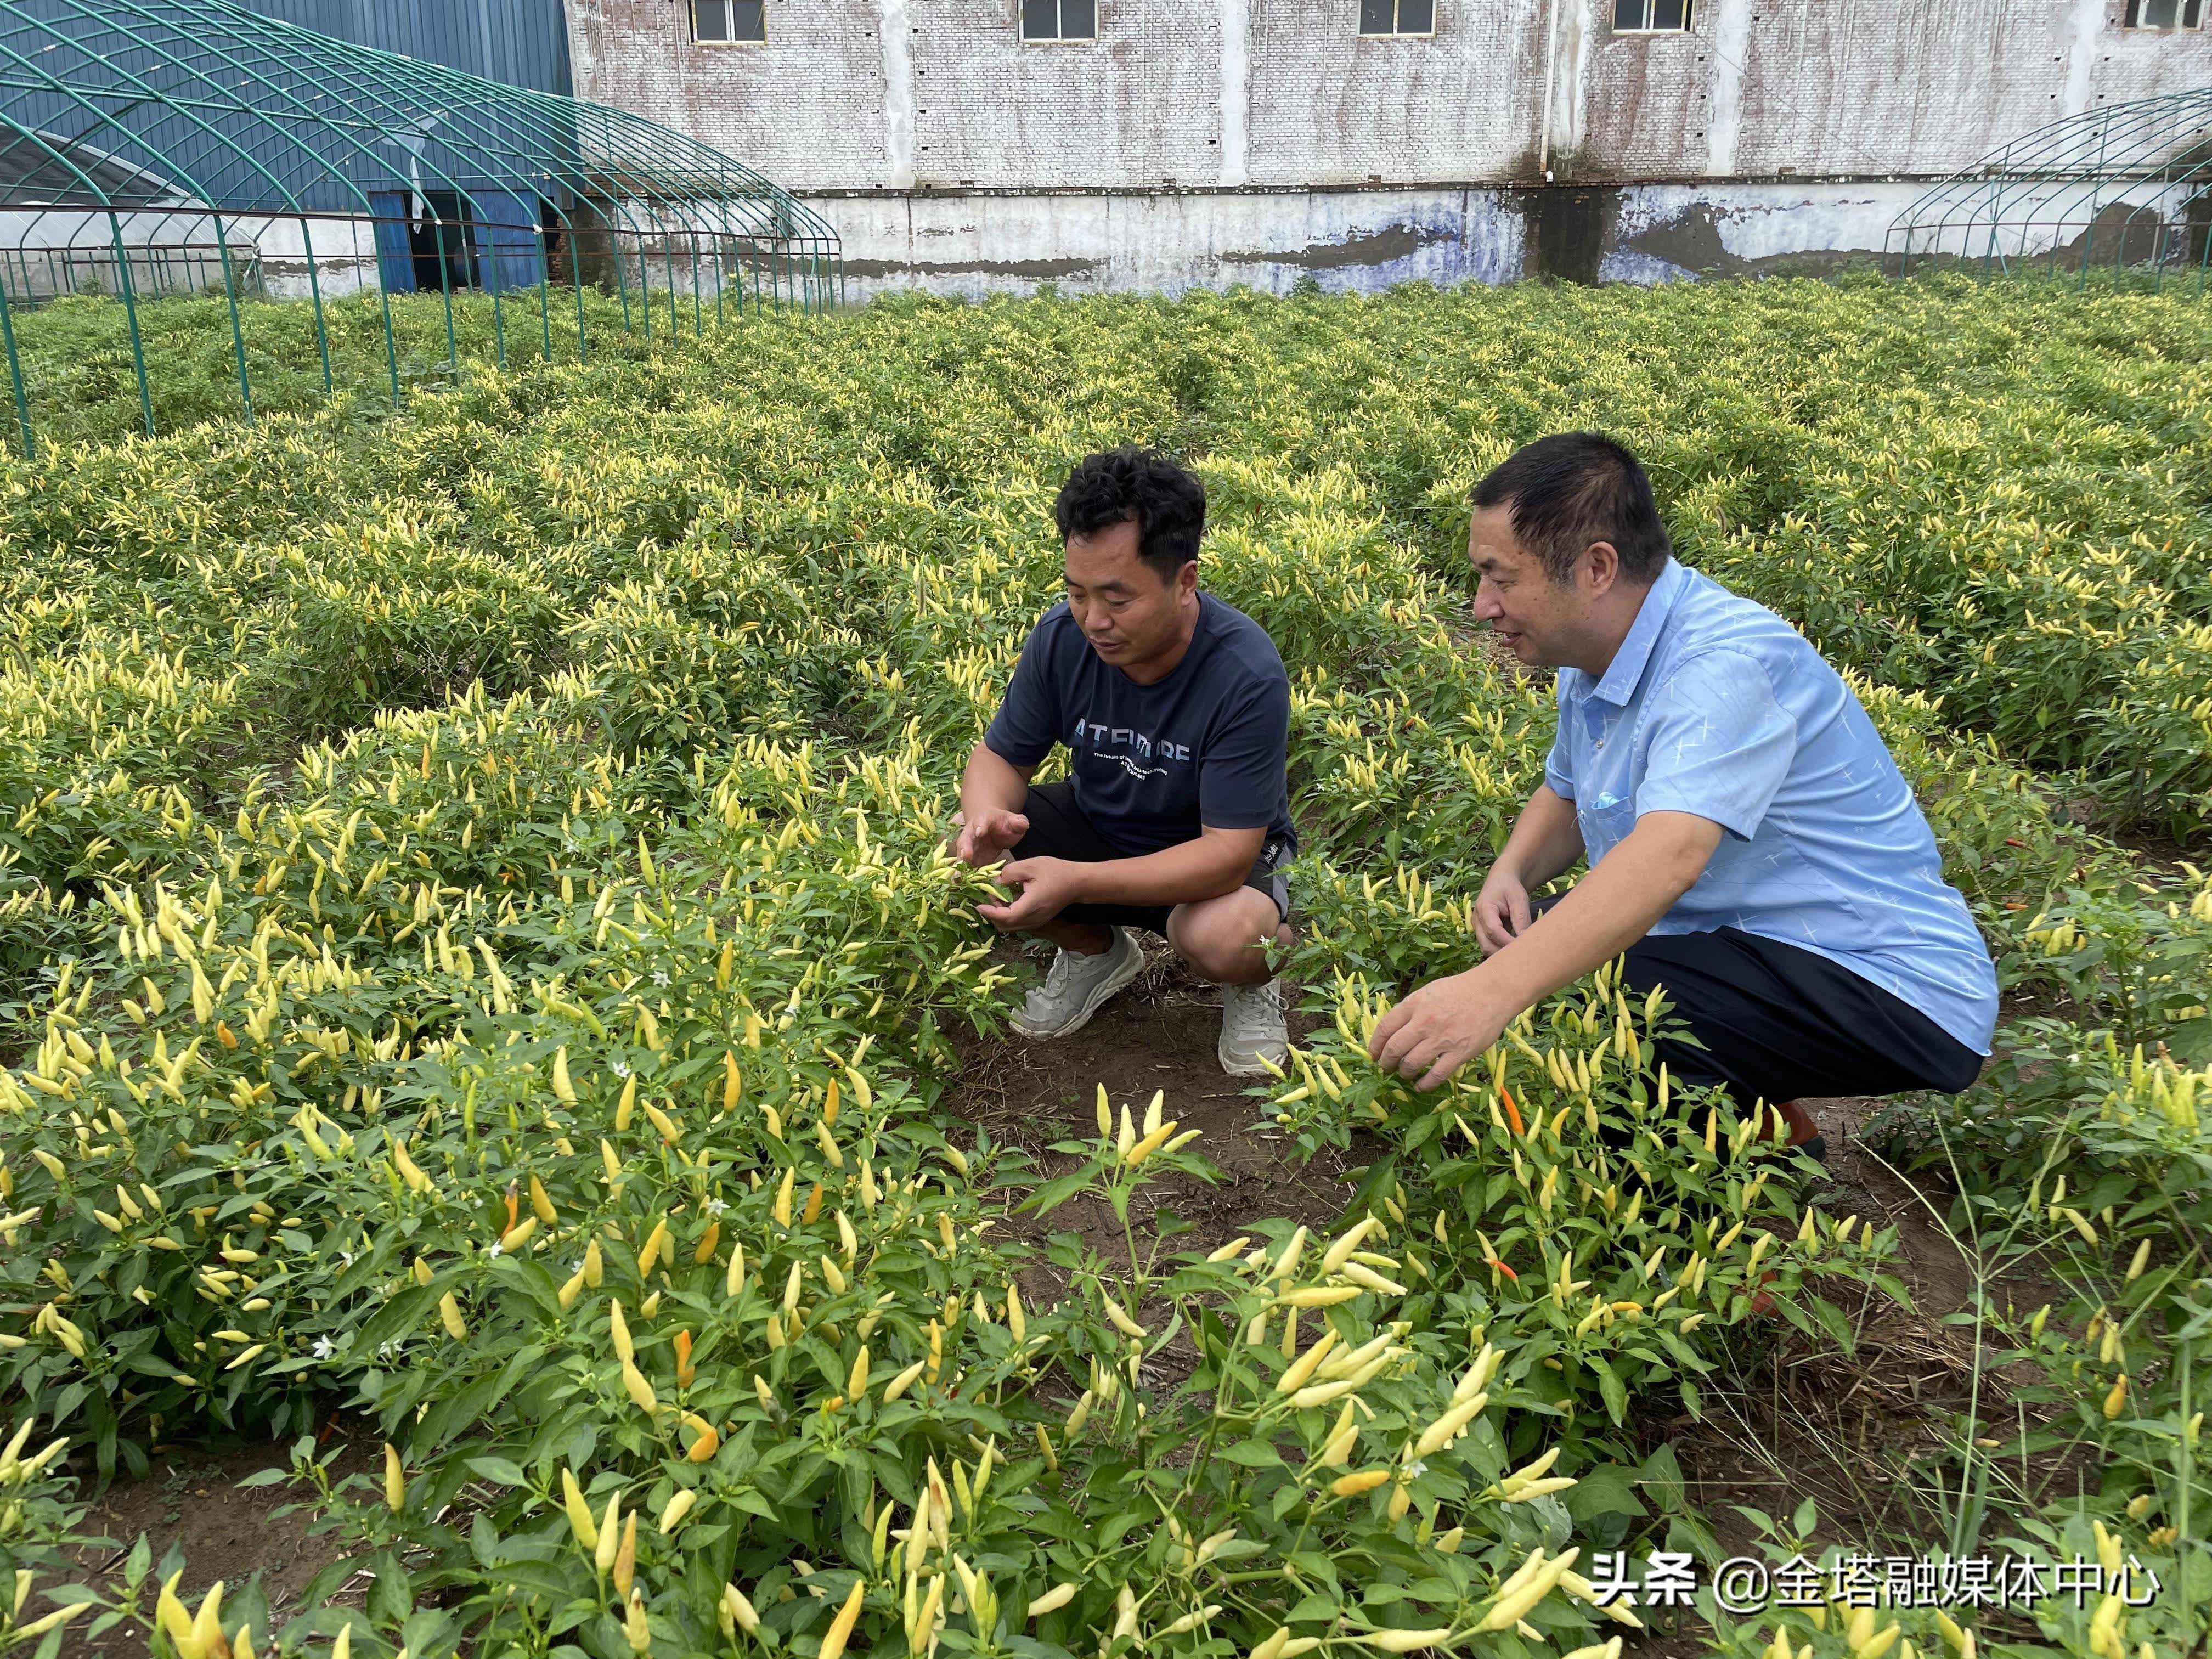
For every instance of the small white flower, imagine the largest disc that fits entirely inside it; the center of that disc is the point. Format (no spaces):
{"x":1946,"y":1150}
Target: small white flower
{"x":346,"y":1257}
{"x":1416,"y":1469}
{"x":621,"y":1070}
{"x":716,"y":1207}
{"x":492,"y":1249}
{"x":325,"y":1347}
{"x":660,"y":976}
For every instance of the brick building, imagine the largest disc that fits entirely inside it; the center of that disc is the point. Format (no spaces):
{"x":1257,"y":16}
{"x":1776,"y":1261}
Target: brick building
{"x":994,"y":144}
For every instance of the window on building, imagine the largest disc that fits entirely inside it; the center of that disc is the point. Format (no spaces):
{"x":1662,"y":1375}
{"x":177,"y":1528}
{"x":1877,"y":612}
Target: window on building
{"x":719,"y":21}
{"x":1650,"y":16}
{"x":1060,"y":20}
{"x":2165,"y":15}
{"x":1397,"y":17}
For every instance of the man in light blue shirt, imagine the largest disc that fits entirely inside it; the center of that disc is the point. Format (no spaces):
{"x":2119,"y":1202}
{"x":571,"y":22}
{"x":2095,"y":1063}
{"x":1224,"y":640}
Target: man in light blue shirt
{"x":1752,"y":844}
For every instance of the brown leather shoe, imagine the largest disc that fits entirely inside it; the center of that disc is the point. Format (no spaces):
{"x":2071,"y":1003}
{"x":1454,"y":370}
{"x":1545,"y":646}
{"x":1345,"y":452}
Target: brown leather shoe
{"x":1761,"y":1305}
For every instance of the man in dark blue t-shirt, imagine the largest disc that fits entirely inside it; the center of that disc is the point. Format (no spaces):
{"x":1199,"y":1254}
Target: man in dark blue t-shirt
{"x":1175,"y":815}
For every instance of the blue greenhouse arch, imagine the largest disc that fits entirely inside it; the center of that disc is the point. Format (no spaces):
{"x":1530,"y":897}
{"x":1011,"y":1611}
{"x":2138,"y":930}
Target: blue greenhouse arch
{"x":154,"y":148}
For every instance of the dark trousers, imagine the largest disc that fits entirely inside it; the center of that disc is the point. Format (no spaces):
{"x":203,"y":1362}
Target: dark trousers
{"x":1776,"y":1023}
{"x":1781,"y":1023}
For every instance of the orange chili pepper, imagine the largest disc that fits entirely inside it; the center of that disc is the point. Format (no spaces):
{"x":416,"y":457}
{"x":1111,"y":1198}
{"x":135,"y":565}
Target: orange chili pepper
{"x":1507,"y":1271}
{"x":513,"y":1210}
{"x":1512,"y":1114}
{"x":684,"y":1371}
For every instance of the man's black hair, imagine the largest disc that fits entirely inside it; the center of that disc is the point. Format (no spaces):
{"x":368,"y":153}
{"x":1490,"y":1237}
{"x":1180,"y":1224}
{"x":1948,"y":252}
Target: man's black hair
{"x":1167,"y":504}
{"x":1575,"y":488}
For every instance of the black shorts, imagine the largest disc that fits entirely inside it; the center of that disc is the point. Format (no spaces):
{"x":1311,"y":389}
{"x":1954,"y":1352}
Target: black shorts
{"x":1058,"y":830}
{"x":1780,"y":1023}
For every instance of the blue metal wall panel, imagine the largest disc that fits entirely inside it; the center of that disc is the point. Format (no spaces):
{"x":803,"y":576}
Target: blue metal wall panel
{"x":509,"y":252}
{"x":524,"y":43}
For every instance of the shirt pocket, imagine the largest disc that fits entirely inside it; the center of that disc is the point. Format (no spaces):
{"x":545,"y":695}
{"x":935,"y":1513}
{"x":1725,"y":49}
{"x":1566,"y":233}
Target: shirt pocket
{"x":1605,"y":822}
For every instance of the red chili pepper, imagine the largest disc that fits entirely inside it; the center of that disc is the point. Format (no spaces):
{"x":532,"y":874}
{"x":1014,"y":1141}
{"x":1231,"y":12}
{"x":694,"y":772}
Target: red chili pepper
{"x":1507,"y":1271}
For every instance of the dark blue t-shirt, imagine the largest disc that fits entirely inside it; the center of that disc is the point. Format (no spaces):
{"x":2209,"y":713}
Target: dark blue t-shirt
{"x":1206,"y":746}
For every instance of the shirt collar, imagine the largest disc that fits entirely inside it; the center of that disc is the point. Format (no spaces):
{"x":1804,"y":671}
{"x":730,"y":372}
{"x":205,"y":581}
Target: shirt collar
{"x":1622,"y":674}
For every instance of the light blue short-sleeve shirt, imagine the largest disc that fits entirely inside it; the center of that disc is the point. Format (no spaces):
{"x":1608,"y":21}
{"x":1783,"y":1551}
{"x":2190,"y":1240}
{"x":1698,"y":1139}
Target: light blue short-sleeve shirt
{"x":1715,"y":706}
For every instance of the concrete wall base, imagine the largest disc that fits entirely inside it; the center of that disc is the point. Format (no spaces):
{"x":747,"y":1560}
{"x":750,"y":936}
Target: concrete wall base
{"x":975,"y":243}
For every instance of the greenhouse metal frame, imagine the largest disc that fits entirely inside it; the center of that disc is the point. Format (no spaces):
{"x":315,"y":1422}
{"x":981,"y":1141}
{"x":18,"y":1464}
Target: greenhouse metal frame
{"x":2127,"y":188}
{"x":151,"y":149}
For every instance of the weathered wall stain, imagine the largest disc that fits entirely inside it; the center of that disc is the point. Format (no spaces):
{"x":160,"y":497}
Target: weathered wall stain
{"x":1094,"y":243}
{"x":1380,"y":248}
{"x":1669,"y":232}
{"x":1693,"y":243}
{"x":2124,"y":234}
{"x":1569,"y":230}
{"x":1036,"y":270}
{"x":1695,"y":246}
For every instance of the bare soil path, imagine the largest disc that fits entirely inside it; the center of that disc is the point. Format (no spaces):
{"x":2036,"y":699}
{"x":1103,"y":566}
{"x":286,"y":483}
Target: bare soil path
{"x":1157,"y":1034}
{"x":190,"y":1499}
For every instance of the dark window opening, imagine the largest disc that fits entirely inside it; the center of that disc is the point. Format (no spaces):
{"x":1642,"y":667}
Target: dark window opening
{"x":1650,"y":16}
{"x":2165,"y":15}
{"x":1397,"y":17}
{"x":1060,"y":20}
{"x":729,"y":19}
{"x":439,"y":244}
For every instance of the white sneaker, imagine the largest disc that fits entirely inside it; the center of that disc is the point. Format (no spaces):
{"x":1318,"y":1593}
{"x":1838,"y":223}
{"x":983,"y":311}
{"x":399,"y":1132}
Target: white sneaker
{"x":1077,"y":987}
{"x":1252,"y":1029}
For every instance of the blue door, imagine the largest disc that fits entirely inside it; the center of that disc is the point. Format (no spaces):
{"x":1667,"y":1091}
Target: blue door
{"x":395,"y":261}
{"x":505,"y":232}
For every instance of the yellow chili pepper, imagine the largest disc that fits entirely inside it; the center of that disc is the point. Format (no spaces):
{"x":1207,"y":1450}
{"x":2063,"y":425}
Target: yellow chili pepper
{"x":840,"y":1627}
{"x":580,"y":1512}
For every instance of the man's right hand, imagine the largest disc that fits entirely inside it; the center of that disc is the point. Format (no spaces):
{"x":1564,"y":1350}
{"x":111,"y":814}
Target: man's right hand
{"x":994,"y":833}
{"x":1501,"y":910}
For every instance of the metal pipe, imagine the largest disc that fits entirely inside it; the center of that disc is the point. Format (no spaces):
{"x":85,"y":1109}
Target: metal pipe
{"x":1551,"y":69}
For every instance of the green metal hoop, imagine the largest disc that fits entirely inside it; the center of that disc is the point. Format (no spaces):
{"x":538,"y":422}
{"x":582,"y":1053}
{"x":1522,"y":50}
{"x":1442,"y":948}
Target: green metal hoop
{"x":158,"y":148}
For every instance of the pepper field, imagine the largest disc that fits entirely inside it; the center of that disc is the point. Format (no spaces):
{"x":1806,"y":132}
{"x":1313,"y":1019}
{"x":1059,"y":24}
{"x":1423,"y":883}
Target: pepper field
{"x":478,"y":967}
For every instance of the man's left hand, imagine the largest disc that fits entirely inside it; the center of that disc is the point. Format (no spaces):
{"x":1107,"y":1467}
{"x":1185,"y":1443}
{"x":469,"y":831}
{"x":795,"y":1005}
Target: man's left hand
{"x":1048,"y":886}
{"x":1439,"y":1029}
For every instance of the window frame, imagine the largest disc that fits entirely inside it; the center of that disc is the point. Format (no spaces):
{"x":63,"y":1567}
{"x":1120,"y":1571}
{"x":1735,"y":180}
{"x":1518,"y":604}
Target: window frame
{"x":2184,"y":23}
{"x":1397,"y":33}
{"x":1022,"y":36}
{"x":1688,"y":24}
{"x":729,"y":12}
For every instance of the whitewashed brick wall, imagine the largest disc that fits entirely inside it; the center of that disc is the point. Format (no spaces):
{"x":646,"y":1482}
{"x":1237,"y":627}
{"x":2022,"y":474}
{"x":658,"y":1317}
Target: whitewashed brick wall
{"x":898,"y":94}
{"x":1257,"y":110}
